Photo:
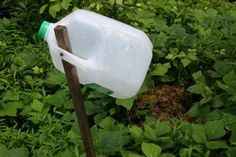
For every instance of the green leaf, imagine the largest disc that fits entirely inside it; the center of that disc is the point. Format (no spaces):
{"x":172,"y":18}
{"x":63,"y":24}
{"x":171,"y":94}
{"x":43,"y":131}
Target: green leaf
{"x":10,"y":109}
{"x":147,"y":85}
{"x":91,"y":108}
{"x":158,"y":4}
{"x":185,"y":152}
{"x":150,"y":120}
{"x":229,"y":119}
{"x":199,"y":133}
{"x":65,"y":153}
{"x":107,"y":123}
{"x":215,"y":129}
{"x":160,"y":69}
{"x":159,"y":39}
{"x":135,"y":131}
{"x":185,"y":62}
{"x":58,"y":99}
{"x":167,"y":155}
{"x":74,"y":133}
{"x":55,"y":77}
{"x":129,"y":154}
{"x":214,"y":115}
{"x":171,"y":56}
{"x":205,"y":99}
{"x":18,"y":152}
{"x":194,"y":111}
{"x":99,"y":88}
{"x":230,"y":80}
{"x":110,"y":141}
{"x":112,"y":2}
{"x":167,"y":78}
{"x":65,"y":4}
{"x":192,"y":54}
{"x":213,"y":74}
{"x":56,"y":7}
{"x":10,"y":96}
{"x":200,"y":89}
{"x":37,"y":105}
{"x":222,"y":67}
{"x":151,"y":150}
{"x":211,"y":12}
{"x":233,"y":137}
{"x":75,"y":8}
{"x":216,"y":145}
{"x":99,"y":116}
{"x":162,"y":128}
{"x":127,"y":103}
{"x":120,"y":2}
{"x":232,"y":151}
{"x":144,"y":17}
{"x":179,"y":31}
{"x":173,"y":53}
{"x":96,"y":95}
{"x":75,"y":128}
{"x":232,"y":98}
{"x":222,"y":85}
{"x":189,"y":40}
{"x":73,"y":137}
{"x":28,"y":60}
{"x":181,"y":55}
{"x":36,"y":95}
{"x":42,"y":8}
{"x":217,"y":102}
{"x":3,"y":151}
{"x":161,"y":23}
{"x":199,"y":77}
{"x":149,"y":132}
{"x":165,"y":142}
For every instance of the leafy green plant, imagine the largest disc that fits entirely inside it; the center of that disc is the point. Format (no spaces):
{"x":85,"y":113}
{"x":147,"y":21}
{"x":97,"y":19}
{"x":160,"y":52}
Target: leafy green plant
{"x":194,"y":42}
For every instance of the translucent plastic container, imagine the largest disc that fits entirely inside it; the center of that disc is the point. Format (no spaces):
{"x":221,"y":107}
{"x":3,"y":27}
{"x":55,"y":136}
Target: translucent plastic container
{"x":106,"y":52}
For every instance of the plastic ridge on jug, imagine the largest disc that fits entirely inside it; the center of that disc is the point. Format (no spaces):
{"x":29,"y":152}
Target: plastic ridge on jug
{"x":106,"y":52}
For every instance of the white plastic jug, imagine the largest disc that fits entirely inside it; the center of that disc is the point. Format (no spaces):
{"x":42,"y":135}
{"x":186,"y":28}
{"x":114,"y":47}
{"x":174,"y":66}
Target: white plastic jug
{"x":106,"y":52}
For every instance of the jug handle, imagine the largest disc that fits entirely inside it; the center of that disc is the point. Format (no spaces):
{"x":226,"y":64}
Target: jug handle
{"x":72,"y":59}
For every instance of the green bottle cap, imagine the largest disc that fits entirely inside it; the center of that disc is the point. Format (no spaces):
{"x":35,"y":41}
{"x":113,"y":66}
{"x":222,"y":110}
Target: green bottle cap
{"x":43,"y":29}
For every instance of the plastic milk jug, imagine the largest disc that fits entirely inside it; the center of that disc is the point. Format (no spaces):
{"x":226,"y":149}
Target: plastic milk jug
{"x":105,"y":52}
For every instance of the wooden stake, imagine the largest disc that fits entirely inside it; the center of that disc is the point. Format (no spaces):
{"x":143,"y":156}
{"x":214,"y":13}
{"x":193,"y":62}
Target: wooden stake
{"x":75,"y":91}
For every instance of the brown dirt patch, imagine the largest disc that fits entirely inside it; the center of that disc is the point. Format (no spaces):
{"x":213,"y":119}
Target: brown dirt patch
{"x":163,"y":102}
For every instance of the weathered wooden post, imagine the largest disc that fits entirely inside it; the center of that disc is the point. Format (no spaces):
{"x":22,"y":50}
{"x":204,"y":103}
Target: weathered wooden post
{"x":75,"y":90}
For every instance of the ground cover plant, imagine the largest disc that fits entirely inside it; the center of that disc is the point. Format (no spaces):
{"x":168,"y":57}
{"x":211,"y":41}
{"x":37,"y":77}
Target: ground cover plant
{"x":185,"y":108}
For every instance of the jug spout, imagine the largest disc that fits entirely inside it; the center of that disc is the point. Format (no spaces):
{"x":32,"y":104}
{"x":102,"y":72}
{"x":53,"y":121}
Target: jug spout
{"x":43,"y":29}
